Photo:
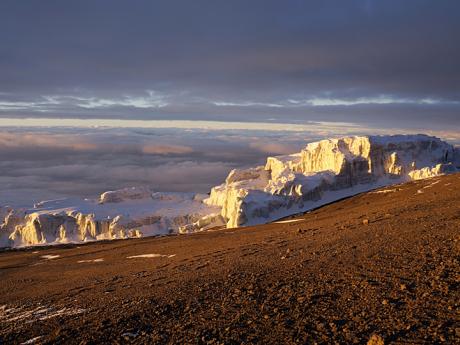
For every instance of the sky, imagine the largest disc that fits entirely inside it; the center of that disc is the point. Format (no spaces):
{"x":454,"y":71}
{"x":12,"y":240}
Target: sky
{"x":98,"y":95}
{"x":381,"y":63}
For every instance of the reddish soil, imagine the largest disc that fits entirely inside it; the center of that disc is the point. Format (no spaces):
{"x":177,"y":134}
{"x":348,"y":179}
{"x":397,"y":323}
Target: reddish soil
{"x":381,"y":265}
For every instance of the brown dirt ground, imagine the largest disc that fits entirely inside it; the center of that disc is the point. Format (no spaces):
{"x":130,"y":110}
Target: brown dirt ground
{"x":382,"y":264}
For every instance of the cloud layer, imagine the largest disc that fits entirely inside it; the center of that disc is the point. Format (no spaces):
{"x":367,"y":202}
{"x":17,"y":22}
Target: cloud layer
{"x":64,"y":162}
{"x":43,"y":163}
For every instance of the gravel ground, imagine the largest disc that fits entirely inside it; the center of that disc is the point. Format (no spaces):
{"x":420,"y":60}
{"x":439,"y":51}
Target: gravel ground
{"x":378,"y":268}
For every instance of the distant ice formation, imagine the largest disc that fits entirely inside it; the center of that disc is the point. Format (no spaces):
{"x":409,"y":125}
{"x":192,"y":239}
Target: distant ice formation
{"x":325,"y":171}
{"x":322,"y":172}
{"x":131,"y":212}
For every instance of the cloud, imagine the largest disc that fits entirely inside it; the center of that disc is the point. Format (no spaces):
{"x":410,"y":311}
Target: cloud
{"x":247,"y":104}
{"x":330,"y":101}
{"x":153,"y":100}
{"x":148,"y":99}
{"x":380,"y":65}
{"x":55,"y":141}
{"x":376,"y":100}
{"x":45,"y":163}
{"x":11,"y":142}
{"x":65,"y":162}
{"x":274,"y":148}
{"x":166,"y":149}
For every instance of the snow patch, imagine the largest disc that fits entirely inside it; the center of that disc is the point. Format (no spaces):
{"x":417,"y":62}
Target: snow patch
{"x":432,"y":184}
{"x":95,"y":260}
{"x":50,"y":257}
{"x":384,"y":191}
{"x":39,"y":313}
{"x":288,"y":221}
{"x":32,"y":340}
{"x":151,"y":256}
{"x":126,"y":194}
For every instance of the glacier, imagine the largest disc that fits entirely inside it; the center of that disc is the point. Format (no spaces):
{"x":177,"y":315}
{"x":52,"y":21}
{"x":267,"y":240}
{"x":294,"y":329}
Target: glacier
{"x":322,"y":172}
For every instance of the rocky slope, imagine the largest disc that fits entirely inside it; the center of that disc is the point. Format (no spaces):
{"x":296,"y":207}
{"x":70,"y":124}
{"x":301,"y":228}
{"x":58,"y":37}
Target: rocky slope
{"x":382,"y":265}
{"x":324,"y":171}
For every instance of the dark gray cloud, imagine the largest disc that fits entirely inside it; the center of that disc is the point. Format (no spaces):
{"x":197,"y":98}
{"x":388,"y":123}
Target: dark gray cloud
{"x":233,"y":60}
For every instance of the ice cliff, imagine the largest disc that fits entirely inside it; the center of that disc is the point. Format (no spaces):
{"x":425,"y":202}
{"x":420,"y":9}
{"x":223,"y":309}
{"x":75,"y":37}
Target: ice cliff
{"x":130,"y":212}
{"x":328,"y":170}
{"x":322,"y":172}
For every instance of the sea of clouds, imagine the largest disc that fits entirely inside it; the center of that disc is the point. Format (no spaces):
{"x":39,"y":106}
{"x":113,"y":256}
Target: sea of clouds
{"x":39,"y":163}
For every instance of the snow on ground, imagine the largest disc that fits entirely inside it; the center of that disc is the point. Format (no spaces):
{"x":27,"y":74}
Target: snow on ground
{"x":151,"y":256}
{"x":166,"y":204}
{"x":39,"y":313}
{"x":95,"y":260}
{"x":32,"y":340}
{"x":384,"y":191}
{"x":327,"y":197}
{"x":288,"y":221}
{"x":432,"y":184}
{"x":50,"y":257}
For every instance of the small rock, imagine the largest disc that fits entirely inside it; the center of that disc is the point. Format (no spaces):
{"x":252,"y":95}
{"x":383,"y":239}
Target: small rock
{"x":365,"y":221}
{"x":333,"y":327}
{"x":385,"y":302}
{"x":402,"y":287}
{"x":128,"y":335}
{"x":319,"y":326}
{"x":375,"y":340}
